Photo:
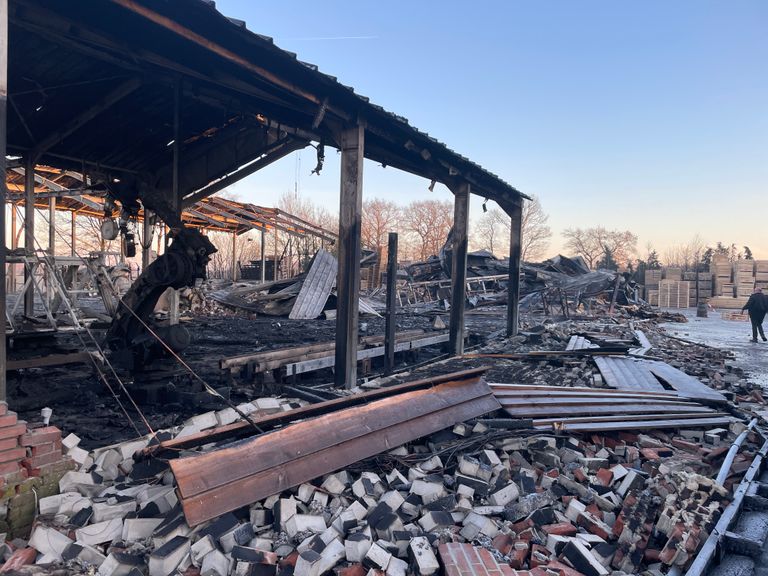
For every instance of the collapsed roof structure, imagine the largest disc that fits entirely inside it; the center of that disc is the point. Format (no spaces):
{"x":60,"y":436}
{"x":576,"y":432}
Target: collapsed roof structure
{"x":166,"y":103}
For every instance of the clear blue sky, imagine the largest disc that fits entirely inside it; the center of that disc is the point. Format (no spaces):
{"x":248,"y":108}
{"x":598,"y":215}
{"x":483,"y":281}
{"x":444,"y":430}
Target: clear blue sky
{"x":649,"y":115}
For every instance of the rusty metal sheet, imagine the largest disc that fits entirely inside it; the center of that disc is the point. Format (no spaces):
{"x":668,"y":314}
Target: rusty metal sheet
{"x":223,"y":480}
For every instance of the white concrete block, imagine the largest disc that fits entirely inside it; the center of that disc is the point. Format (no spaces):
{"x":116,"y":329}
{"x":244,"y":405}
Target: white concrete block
{"x":100,"y":532}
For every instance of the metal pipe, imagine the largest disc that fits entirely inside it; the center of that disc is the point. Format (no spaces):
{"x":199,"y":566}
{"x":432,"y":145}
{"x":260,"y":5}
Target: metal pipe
{"x":728,"y":462}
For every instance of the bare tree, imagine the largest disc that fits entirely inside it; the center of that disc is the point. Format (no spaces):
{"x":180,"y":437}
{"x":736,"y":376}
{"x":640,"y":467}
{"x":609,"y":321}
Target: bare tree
{"x":593,"y":244}
{"x":536,"y":231}
{"x":488,"y":230}
{"x":379,"y":218}
{"x":428,"y":222}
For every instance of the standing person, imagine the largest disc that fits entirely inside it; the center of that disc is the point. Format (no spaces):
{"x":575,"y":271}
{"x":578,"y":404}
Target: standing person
{"x":757,"y":305}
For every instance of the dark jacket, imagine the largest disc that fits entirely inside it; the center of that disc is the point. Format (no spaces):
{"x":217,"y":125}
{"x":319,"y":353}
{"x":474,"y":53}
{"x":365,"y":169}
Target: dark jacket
{"x":757,"y":304}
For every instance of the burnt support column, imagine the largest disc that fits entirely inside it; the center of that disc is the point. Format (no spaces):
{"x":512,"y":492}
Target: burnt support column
{"x":234,"y":256}
{"x":29,"y":230}
{"x":459,"y":267}
{"x":263,"y":257}
{"x":515,"y":250}
{"x":52,"y":225}
{"x":274,"y":265}
{"x":173,"y":301}
{"x":348,"y":280}
{"x":14,"y":232}
{"x":3,"y":191}
{"x":389,"y":334}
{"x":73,"y":233}
{"x":146,"y":240}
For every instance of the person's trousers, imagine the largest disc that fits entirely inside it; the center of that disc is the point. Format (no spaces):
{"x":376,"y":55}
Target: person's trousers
{"x":757,"y":325}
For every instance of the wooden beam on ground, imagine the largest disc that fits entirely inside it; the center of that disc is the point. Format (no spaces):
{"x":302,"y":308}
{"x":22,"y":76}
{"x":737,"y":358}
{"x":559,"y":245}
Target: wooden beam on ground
{"x":224,"y":480}
{"x":391,"y":324}
{"x":348,"y":282}
{"x":459,"y":267}
{"x":50,"y":360}
{"x":3,"y":190}
{"x":515,"y":257}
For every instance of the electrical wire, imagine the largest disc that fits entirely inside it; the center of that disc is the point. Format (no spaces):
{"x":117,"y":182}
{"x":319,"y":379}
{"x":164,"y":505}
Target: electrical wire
{"x":208,"y":388}
{"x":100,"y":350}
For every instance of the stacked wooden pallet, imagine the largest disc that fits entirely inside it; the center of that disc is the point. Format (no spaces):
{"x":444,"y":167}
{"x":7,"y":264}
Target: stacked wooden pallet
{"x":674,"y":294}
{"x":722,"y":270}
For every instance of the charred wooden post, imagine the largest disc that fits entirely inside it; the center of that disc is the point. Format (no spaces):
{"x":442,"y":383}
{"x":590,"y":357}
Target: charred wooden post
{"x":173,"y":300}
{"x":3,"y":191}
{"x":52,"y":225}
{"x":146,"y":240}
{"x":275,"y":266}
{"x":513,"y":284}
{"x":234,"y":256}
{"x":73,"y":234}
{"x":389,"y":334}
{"x":348,"y":281}
{"x":29,"y":230}
{"x":263,"y":258}
{"x":459,"y":267}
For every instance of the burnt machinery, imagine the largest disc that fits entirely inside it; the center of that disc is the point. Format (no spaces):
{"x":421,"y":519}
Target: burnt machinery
{"x":130,"y":336}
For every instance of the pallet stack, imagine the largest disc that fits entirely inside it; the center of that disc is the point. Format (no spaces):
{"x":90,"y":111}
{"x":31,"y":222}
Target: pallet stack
{"x":744,"y":277}
{"x":674,"y":294}
{"x":721,"y":272}
{"x":705,"y":286}
{"x":652,"y":279}
{"x":761,"y":274}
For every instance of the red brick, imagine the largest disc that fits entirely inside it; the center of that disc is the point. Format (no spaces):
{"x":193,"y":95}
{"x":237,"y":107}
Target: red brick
{"x":60,"y":465}
{"x":560,"y":529}
{"x":518,"y":555}
{"x":354,"y":570}
{"x":44,"y":459}
{"x":594,"y":526}
{"x":685,"y":445}
{"x":13,"y":455}
{"x":650,"y":454}
{"x":191,"y":571}
{"x":579,"y":475}
{"x":20,"y":557}
{"x":488,"y":560}
{"x":604,"y":477}
{"x":13,"y":431}
{"x":503,"y":543}
{"x":46,"y":448}
{"x":536,"y":560}
{"x":562,"y":569}
{"x":9,"y":419}
{"x":9,"y":468}
{"x":41,"y":436}
{"x":9,"y":443}
{"x":3,"y":408}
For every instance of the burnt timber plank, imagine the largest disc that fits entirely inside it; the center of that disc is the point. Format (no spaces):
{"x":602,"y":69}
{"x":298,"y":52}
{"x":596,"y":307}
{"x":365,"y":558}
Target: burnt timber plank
{"x":227,"y":479}
{"x":197,"y":474}
{"x":238,"y":429}
{"x":237,"y":494}
{"x":316,"y":287}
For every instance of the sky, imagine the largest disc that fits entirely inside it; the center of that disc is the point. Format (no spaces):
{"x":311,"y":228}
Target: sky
{"x":649,"y":116}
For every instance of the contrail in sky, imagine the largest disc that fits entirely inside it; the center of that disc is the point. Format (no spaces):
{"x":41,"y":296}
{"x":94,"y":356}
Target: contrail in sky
{"x":334,"y":38}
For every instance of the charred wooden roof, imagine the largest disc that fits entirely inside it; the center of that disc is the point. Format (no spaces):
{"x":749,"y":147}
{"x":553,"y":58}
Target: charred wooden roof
{"x":92,"y":87}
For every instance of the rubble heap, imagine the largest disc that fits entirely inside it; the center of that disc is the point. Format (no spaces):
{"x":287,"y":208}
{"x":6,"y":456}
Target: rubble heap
{"x":530,"y":503}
